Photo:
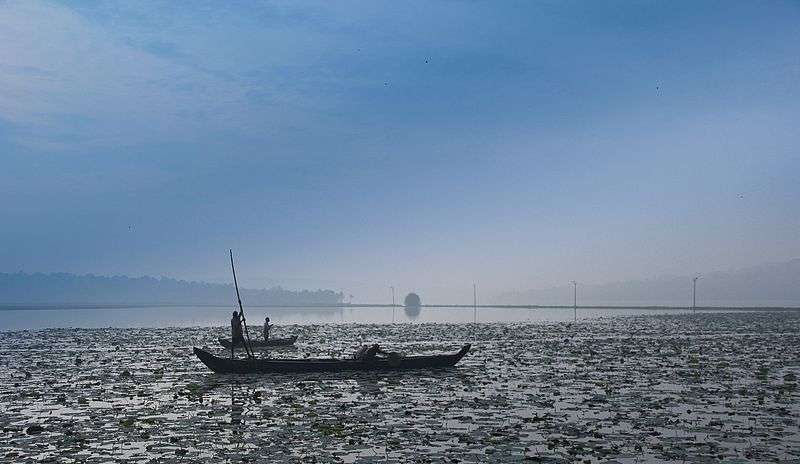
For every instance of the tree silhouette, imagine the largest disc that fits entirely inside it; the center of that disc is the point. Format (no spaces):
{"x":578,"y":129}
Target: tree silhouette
{"x":63,"y":288}
{"x":412,"y":300}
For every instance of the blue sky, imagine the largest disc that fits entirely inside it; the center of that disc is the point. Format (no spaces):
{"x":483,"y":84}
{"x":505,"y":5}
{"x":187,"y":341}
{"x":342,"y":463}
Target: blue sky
{"x":355,"y":145}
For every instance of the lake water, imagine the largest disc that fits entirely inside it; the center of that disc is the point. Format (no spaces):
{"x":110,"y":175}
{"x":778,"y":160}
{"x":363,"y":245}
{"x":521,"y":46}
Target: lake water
{"x":710,"y":387}
{"x":191,"y":316}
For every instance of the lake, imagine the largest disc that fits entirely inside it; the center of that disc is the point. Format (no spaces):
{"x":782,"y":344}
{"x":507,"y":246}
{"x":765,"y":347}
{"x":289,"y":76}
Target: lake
{"x":708,"y":387}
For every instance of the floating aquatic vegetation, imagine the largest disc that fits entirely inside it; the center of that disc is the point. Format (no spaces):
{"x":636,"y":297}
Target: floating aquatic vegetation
{"x":700,"y":388}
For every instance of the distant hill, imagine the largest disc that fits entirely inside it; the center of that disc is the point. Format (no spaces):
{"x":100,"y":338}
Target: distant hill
{"x":775,"y":284}
{"x":61,"y":288}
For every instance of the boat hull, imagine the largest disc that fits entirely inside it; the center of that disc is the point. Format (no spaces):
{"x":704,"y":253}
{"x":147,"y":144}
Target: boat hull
{"x":259,"y":344}
{"x":278,"y":366}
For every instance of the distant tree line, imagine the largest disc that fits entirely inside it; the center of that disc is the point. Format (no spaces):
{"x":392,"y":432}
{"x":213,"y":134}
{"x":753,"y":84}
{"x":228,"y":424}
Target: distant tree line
{"x":774,"y":284}
{"x":63,"y":288}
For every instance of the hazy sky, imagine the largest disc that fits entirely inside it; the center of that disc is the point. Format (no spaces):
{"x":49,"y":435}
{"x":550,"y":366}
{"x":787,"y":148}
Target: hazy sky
{"x":426,"y":145}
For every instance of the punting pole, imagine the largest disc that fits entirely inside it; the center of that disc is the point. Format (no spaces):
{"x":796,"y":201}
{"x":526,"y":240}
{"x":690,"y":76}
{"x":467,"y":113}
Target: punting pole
{"x":247,"y":347}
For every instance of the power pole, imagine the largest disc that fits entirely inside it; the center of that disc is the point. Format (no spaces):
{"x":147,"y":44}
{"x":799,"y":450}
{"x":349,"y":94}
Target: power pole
{"x":392,"y":287}
{"x":575,"y":299}
{"x":474,"y":304}
{"x":694,"y":293}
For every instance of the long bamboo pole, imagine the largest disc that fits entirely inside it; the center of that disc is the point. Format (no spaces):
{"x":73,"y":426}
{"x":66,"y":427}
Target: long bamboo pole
{"x":247,"y":347}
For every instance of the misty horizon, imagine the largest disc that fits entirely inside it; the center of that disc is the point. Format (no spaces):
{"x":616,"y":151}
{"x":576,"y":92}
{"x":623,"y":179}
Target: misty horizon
{"x":772,"y":284}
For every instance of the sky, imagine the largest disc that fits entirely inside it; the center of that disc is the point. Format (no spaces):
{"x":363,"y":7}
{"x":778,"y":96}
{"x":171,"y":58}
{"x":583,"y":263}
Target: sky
{"x":424,"y":145}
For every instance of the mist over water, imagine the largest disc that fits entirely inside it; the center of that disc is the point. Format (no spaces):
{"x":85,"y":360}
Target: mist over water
{"x":193,"y":316}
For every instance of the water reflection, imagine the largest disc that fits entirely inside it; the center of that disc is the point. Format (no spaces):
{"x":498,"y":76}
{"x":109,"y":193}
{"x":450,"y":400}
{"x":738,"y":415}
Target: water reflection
{"x":369,"y":384}
{"x":238,"y":423}
{"x":238,"y":396}
{"x":412,"y":312}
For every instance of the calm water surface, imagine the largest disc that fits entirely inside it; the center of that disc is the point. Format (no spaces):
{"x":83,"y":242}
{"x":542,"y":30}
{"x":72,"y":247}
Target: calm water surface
{"x":17,"y":319}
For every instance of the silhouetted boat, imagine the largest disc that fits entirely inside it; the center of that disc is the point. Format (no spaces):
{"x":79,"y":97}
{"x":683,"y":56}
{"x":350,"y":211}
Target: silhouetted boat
{"x":257,"y":344}
{"x":265,"y":366}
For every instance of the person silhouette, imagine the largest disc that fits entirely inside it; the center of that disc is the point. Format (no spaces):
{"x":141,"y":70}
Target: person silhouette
{"x":237,"y":336}
{"x":267,"y":327}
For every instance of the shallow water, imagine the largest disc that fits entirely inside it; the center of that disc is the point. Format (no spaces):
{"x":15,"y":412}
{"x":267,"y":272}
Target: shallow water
{"x":708,"y":387}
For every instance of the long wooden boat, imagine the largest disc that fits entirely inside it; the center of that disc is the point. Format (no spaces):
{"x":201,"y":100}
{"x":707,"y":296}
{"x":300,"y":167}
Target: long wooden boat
{"x":265,"y":366}
{"x":257,"y":344}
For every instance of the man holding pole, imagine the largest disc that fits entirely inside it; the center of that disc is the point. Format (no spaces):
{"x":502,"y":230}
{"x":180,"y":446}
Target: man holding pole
{"x":237,"y":336}
{"x":238,"y":320}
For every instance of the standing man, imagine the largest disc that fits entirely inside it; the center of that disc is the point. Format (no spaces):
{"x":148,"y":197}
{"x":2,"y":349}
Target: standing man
{"x":267,"y":327}
{"x":237,"y":337}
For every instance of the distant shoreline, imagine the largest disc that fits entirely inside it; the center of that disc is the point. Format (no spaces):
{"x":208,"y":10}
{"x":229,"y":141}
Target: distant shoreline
{"x":19,"y":307}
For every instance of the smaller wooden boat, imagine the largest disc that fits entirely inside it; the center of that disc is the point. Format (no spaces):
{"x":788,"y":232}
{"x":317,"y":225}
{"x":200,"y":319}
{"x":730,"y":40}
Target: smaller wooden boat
{"x":279,"y":366}
{"x":261,"y":344}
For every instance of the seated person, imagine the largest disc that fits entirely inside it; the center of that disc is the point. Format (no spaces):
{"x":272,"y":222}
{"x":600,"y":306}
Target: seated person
{"x":370,"y":352}
{"x":359,"y":354}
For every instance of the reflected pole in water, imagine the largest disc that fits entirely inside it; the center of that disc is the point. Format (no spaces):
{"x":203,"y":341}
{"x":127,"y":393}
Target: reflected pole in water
{"x":574,"y":299}
{"x":694,"y":293}
{"x":474,"y":304}
{"x":392,"y":287}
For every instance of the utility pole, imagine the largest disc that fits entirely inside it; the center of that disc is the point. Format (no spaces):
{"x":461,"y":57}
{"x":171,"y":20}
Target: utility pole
{"x":574,"y":299}
{"x":392,"y":287}
{"x":474,"y":304}
{"x":341,"y":308}
{"x":694,"y":293}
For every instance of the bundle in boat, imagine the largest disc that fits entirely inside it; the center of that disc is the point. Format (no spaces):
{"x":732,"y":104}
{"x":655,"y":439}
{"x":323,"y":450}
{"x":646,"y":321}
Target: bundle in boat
{"x":256,"y":344}
{"x":263,"y":366}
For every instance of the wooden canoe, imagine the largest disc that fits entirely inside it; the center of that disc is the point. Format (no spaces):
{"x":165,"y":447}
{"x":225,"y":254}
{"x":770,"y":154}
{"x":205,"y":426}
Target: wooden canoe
{"x":265,"y":366}
{"x":259,"y":344}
